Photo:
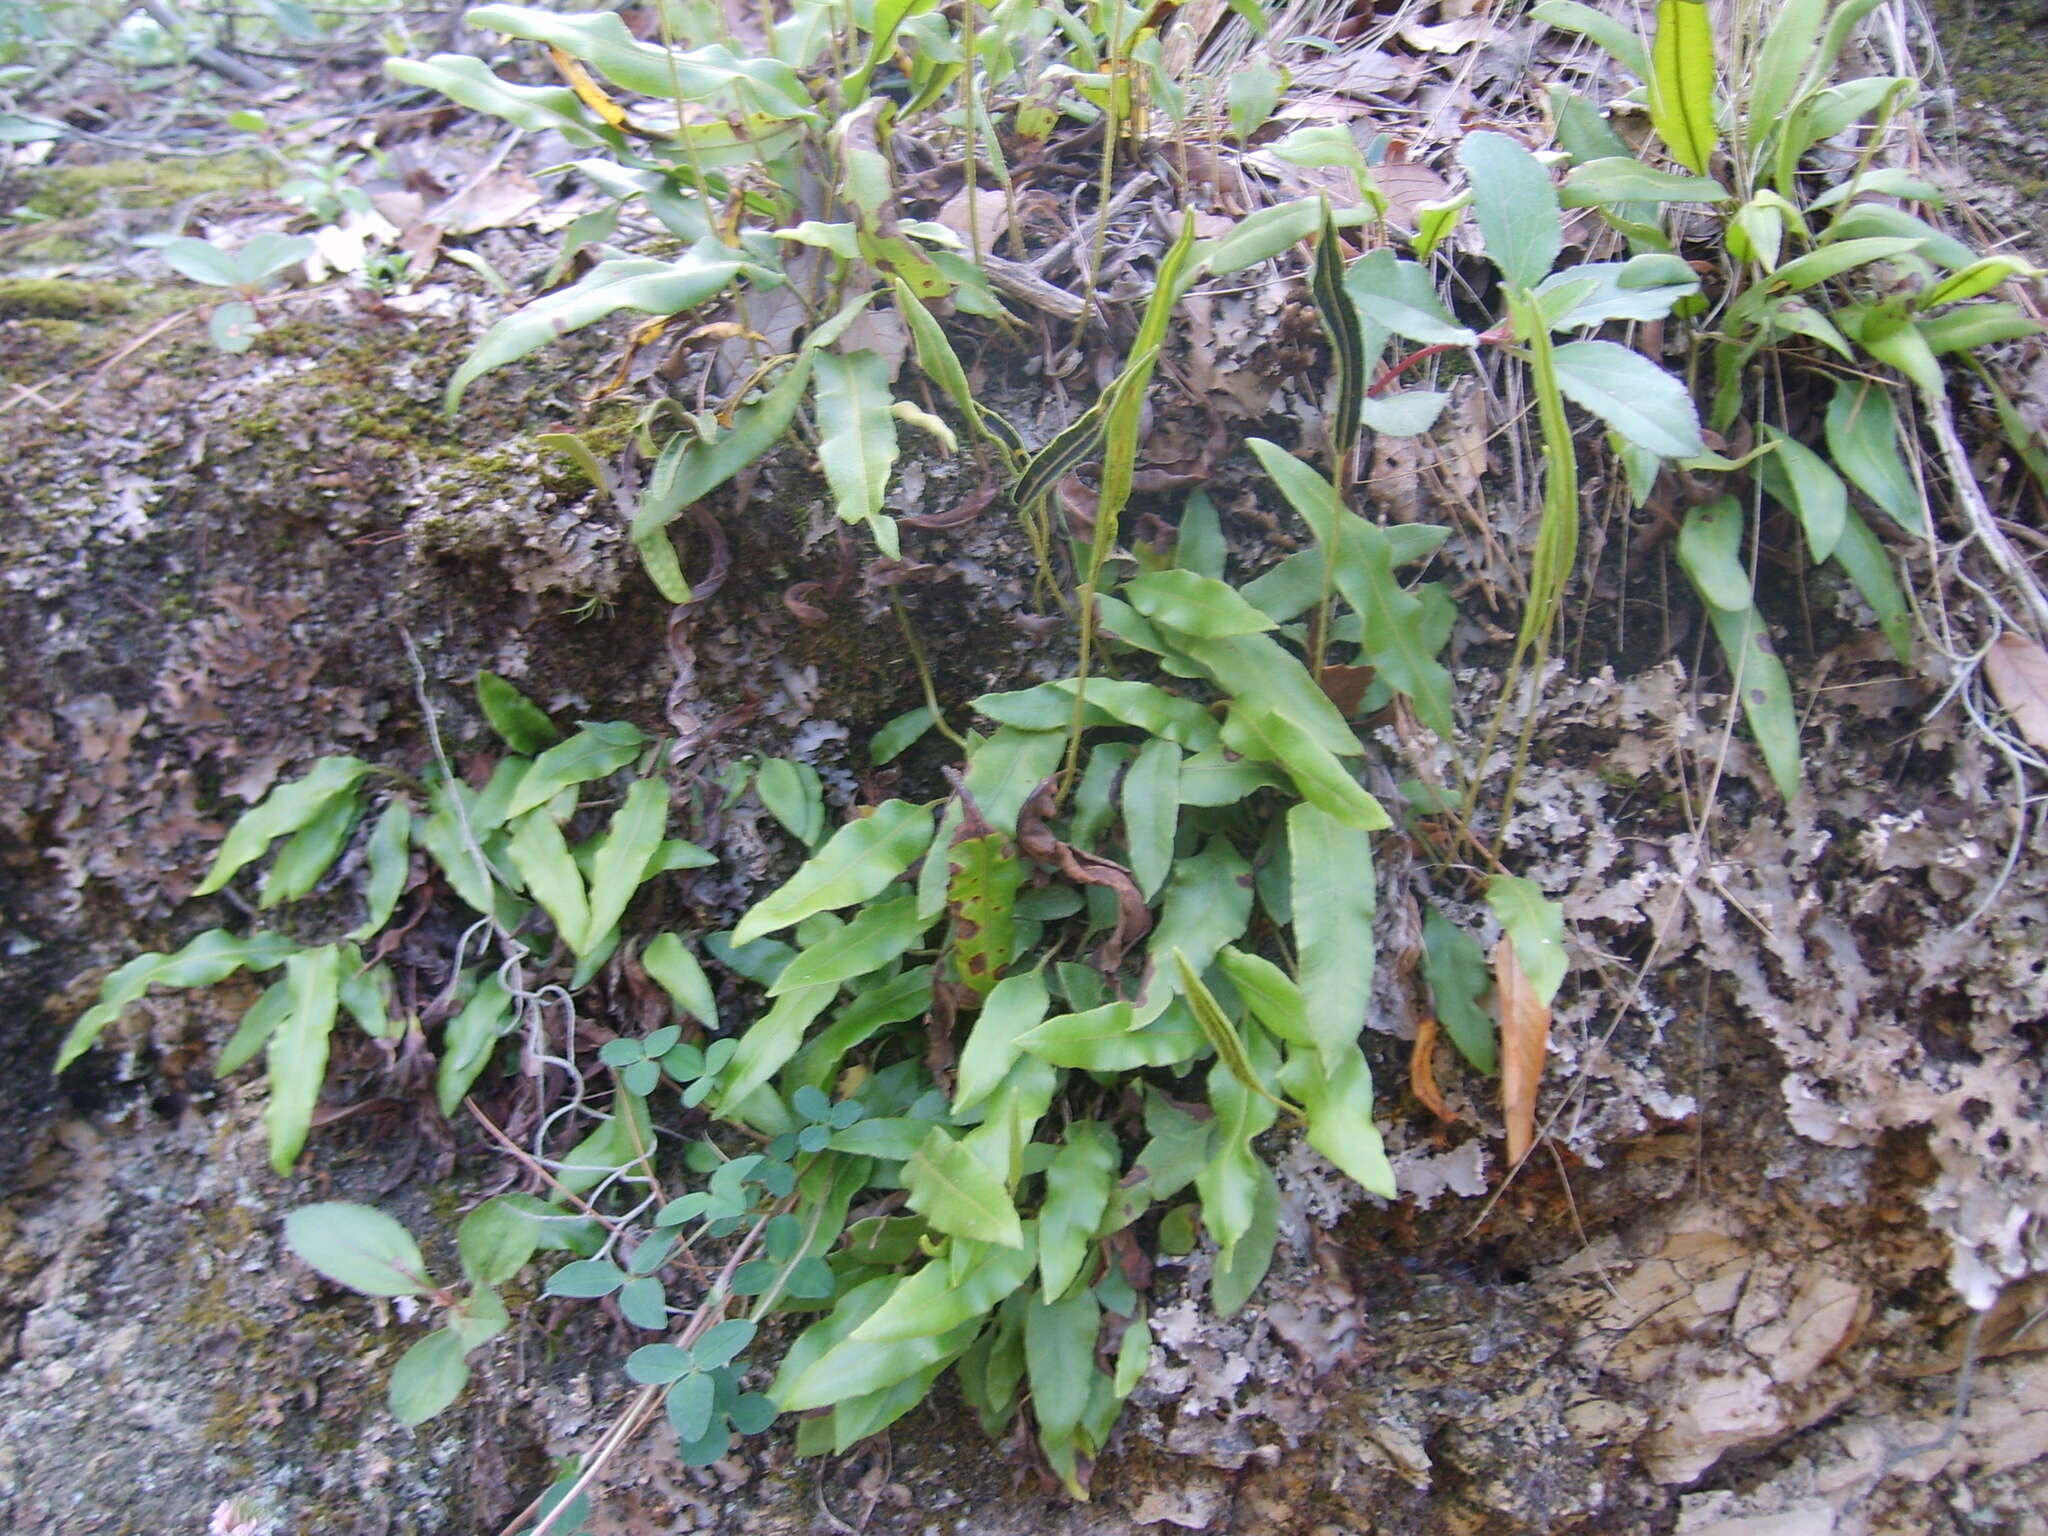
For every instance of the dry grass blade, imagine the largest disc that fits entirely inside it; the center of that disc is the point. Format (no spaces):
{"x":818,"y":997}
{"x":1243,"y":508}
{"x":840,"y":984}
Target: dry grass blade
{"x":1524,"y":1020}
{"x":2017,"y":669}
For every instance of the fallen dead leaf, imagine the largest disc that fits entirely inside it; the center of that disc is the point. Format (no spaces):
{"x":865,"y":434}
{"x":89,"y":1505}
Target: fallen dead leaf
{"x":985,"y":208}
{"x":493,"y":203}
{"x":1406,"y":188}
{"x":2017,"y":669}
{"x":1524,"y":1021}
{"x":1449,"y":36}
{"x":1422,"y":1070}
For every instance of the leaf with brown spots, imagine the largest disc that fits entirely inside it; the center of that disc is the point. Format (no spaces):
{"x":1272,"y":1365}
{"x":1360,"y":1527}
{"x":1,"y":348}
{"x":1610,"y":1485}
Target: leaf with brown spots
{"x":1524,"y":1020}
{"x":2017,"y":669}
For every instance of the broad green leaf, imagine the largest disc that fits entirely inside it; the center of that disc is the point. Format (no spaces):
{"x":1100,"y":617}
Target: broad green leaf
{"x":1259,"y":667}
{"x":1077,"y":1185}
{"x":1710,"y":549}
{"x":1455,"y":967}
{"x":1630,"y":393}
{"x":1339,"y":1108}
{"x":601,"y":40}
{"x":1980,"y":277}
{"x":1208,"y":904}
{"x":1869,"y":567}
{"x":1781,"y":63}
{"x":262,"y":257}
{"x":585,"y":1279}
{"x":1682,"y":83}
{"x":1400,"y":297}
{"x":1241,"y":1266}
{"x":1863,"y":442}
{"x":857,"y":436}
{"x":824,"y":1366}
{"x":1218,"y":1029}
{"x":881,"y":932}
{"x":296,"y":1054}
{"x":1624,"y":179}
{"x":200,"y":261}
{"x":1604,"y":28}
{"x":1253,"y":93}
{"x":1267,"y":736}
{"x":1151,"y":806}
{"x":1536,"y":925}
{"x":1803,"y":482}
{"x":468,"y":1040}
{"x":983,"y":877}
{"x":1199,"y":546}
{"x":255,"y":1029}
{"x":1015,"y":1007}
{"x":932,"y":1302}
{"x":904,"y":997}
{"x":309,"y":852}
{"x":1200,"y":606}
{"x":495,"y":1240}
{"x":1059,"y":1352}
{"x":284,"y":810}
{"x":1103,"y":1040}
{"x":794,"y":796}
{"x":858,"y":862}
{"x":389,"y":857}
{"x":233,"y":326}
{"x":1516,"y":207}
{"x":640,"y":283}
{"x":1230,"y":1185}
{"x":618,"y":867}
{"x":1009,"y":1118}
{"x":770,"y":1042}
{"x":1260,"y":236}
{"x":356,"y":1246}
{"x":541,"y":855}
{"x":678,"y":974}
{"x":1408,"y":413}
{"x":1050,"y":707}
{"x":1274,"y":999}
{"x":523,"y":724}
{"x":953,"y":1190}
{"x":624,"y":1140}
{"x":532,"y":108}
{"x":429,"y":1377}
{"x":890,"y":741}
{"x":1766,"y":693}
{"x":1974,"y":326}
{"x":592,"y":753}
{"x":1596,"y":292}
{"x":1834,"y":259}
{"x":1005,"y":770}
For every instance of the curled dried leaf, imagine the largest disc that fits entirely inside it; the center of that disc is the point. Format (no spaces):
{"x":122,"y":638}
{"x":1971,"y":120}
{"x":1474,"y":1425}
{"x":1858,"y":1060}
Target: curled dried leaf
{"x":2017,"y":669}
{"x":1524,"y":1020}
{"x":1422,"y":1070}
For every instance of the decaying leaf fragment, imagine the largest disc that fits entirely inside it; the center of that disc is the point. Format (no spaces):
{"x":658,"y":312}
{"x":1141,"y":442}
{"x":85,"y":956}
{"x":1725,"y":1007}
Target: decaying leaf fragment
{"x":1422,"y":1070}
{"x":2017,"y":669}
{"x":1524,"y":1020}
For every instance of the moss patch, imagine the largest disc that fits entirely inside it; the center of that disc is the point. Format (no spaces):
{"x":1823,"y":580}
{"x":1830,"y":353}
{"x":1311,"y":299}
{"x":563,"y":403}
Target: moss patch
{"x":71,"y":191}
{"x":59,"y":298}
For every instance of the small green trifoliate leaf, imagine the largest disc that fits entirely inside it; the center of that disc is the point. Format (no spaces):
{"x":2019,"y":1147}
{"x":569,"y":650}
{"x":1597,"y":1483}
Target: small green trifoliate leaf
{"x":356,"y":1246}
{"x":233,"y":326}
